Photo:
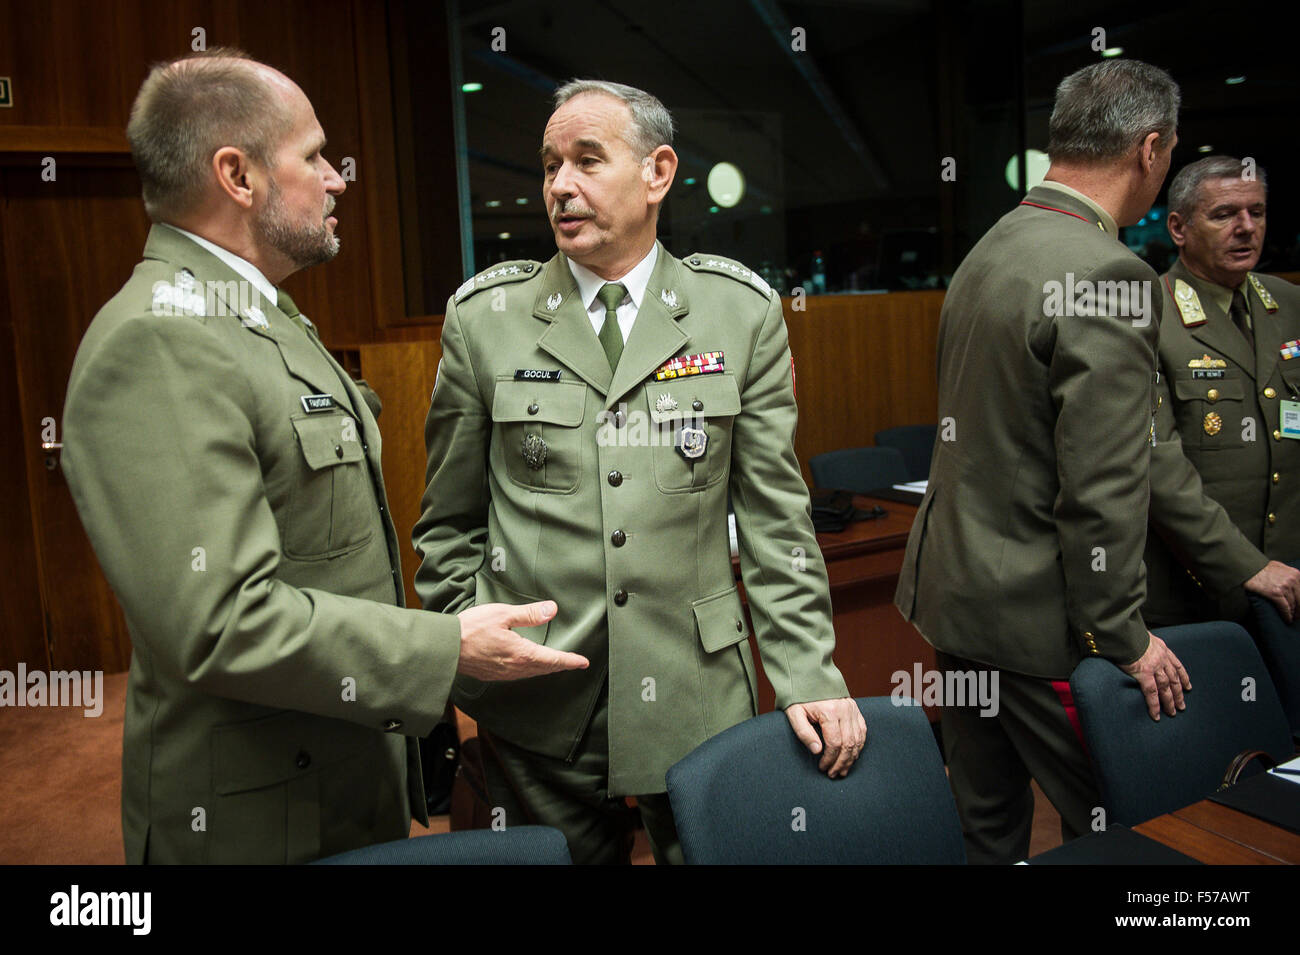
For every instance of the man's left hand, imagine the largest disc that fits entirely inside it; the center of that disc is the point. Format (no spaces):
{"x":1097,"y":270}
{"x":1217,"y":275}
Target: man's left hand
{"x":842,"y":727}
{"x":1279,"y":583}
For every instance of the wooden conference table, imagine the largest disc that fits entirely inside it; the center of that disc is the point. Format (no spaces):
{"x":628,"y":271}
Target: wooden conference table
{"x":1219,"y":835}
{"x":872,"y":640}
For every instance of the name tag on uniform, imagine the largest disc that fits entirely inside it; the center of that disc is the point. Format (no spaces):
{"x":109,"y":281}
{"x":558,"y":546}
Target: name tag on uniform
{"x":537,"y":374}
{"x":311,"y":403}
{"x":1290,"y":419}
{"x":1198,"y":373}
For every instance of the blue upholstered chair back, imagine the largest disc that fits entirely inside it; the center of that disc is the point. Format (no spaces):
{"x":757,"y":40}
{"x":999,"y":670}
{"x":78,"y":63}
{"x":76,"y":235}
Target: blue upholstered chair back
{"x":915,"y":442}
{"x":1147,"y":768}
{"x":1278,"y":643}
{"x":753,"y":795}
{"x":858,"y":469}
{"x":520,"y":845}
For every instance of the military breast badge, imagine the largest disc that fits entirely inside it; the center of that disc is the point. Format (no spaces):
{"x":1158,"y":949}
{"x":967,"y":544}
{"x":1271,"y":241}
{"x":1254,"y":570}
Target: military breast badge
{"x":534,"y":450}
{"x":665,"y":403}
{"x":1213,"y":423}
{"x":692,"y":442}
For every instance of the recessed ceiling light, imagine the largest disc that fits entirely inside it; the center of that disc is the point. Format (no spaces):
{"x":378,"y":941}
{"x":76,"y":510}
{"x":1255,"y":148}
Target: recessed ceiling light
{"x":470,"y":87}
{"x":1235,"y":80}
{"x":493,"y":203}
{"x":503,"y":235}
{"x":1036,"y":163}
{"x":1112,"y":51}
{"x":1205,"y":149}
{"x":726,"y":184}
{"x":521,"y":201}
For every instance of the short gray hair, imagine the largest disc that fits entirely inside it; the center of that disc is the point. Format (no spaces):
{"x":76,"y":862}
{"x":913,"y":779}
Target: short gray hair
{"x":189,"y":108}
{"x":1185,"y":189}
{"x":1104,"y":110}
{"x":652,"y":124}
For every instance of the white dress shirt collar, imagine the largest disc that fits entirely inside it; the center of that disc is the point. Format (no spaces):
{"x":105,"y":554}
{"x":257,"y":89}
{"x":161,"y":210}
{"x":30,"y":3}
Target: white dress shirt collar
{"x":589,"y":283}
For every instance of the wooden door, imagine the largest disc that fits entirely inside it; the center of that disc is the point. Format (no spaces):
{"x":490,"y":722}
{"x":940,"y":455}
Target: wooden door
{"x":68,"y":245}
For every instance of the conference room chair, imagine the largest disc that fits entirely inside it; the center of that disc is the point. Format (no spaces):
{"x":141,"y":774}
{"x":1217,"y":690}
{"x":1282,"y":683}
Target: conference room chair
{"x":915,"y":442}
{"x":1146,"y":768}
{"x":753,"y":795}
{"x":1278,"y":643}
{"x":517,"y":845}
{"x":858,"y":469}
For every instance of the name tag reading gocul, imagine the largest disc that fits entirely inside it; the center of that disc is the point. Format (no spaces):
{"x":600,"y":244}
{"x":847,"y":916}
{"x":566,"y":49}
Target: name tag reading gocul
{"x":537,"y":374}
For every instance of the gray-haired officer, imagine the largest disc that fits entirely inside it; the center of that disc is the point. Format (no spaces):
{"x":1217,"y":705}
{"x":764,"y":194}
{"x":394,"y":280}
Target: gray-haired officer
{"x":1048,"y":461}
{"x":1225,"y":472}
{"x":590,"y":416}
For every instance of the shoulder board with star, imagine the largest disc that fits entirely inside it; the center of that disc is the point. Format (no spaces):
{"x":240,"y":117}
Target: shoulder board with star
{"x":699,"y":262}
{"x":1187,"y":302}
{"x":501,"y":274}
{"x":1265,"y":297}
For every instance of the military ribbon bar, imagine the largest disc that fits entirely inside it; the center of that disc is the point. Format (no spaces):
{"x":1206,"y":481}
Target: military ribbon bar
{"x":705,"y":363}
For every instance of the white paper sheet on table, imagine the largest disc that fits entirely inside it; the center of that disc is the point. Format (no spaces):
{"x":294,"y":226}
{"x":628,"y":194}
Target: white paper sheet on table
{"x":915,"y":486}
{"x":1293,"y":765}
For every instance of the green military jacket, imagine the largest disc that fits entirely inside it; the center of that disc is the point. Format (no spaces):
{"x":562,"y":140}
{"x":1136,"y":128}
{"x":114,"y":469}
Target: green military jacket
{"x":1225,"y":482}
{"x":1026,"y":552}
{"x":612,"y":521}
{"x":249,"y":543}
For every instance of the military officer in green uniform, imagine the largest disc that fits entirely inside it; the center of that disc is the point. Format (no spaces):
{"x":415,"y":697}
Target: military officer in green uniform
{"x":1225,"y":473}
{"x":1024,"y":555}
{"x":227,"y":472}
{"x":589,"y":418}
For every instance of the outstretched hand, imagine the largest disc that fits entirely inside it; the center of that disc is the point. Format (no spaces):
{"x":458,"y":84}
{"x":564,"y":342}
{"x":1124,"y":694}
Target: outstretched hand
{"x":490,"y":650}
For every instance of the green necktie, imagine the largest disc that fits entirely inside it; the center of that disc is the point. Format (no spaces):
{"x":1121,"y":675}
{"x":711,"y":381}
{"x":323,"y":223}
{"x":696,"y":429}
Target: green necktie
{"x":285,"y":304}
{"x":1240,"y":314}
{"x":611,"y":338}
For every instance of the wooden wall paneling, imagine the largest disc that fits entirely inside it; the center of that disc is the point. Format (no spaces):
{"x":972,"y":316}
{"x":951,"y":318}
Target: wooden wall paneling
{"x":863,"y":363}
{"x":402,"y":374}
{"x":22,"y":619}
{"x":377,"y":178}
{"x":404,"y":83}
{"x":69,"y":245}
{"x":312,"y":42}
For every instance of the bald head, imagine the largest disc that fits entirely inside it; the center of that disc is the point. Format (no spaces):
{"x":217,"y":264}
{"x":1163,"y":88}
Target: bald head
{"x":190,"y":108}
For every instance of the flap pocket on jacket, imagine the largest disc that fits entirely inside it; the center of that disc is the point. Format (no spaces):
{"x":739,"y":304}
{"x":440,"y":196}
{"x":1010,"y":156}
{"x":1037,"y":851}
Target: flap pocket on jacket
{"x":328,"y":440}
{"x":1198,"y":389}
{"x":716,"y":394}
{"x":274,"y":749}
{"x":721,"y":620}
{"x":554,"y":402}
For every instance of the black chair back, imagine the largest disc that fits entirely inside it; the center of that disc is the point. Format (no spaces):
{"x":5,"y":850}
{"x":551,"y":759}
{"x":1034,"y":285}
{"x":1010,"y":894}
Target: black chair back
{"x":915,"y":442}
{"x":753,"y":795}
{"x":1146,"y":768}
{"x":858,"y":469}
{"x":517,"y":845}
